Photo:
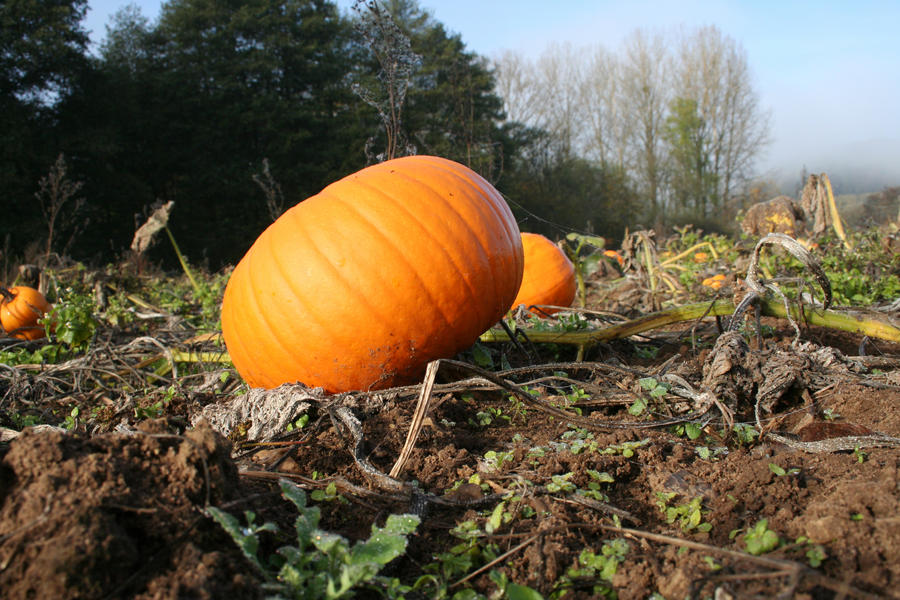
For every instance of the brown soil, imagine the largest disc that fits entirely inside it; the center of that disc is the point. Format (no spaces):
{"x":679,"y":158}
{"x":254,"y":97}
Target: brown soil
{"x":118,"y":516}
{"x":121,"y":515}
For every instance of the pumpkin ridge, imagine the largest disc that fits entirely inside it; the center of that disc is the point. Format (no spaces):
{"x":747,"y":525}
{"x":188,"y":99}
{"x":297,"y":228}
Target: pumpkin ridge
{"x":237,"y":348}
{"x":486,"y":212}
{"x":451,"y":259}
{"x":499,"y":207}
{"x":260,"y":318}
{"x":340,"y":276}
{"x":309,"y":310}
{"x":377,"y":231}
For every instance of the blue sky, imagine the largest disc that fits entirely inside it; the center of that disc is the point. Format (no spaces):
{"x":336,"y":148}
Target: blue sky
{"x":828,"y":70}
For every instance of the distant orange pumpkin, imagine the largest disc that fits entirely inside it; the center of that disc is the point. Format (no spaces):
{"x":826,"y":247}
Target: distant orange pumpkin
{"x":615,"y":256}
{"x":715,"y":282}
{"x":549,"y":276}
{"x":21,"y":307}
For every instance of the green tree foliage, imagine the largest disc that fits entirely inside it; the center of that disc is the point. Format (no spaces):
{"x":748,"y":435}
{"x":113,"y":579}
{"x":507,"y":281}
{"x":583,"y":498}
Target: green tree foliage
{"x":693,"y":181}
{"x":188,"y":110}
{"x":42,"y":52}
{"x":454,"y":111}
{"x":191,"y":107}
{"x":42,"y":47}
{"x":551,"y":192}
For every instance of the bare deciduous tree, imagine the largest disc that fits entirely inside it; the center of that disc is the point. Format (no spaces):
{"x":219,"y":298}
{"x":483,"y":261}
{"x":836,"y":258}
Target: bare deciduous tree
{"x":516,"y":85}
{"x":615,"y":108}
{"x":713,"y":71}
{"x":560,"y":75}
{"x":608,"y":130}
{"x":546,"y":93}
{"x":55,"y":191}
{"x":645,"y":93}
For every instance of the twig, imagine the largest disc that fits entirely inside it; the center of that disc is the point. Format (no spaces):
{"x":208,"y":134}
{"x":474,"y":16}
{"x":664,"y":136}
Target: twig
{"x":418,"y":418}
{"x":838,"y":444}
{"x":497,"y":560}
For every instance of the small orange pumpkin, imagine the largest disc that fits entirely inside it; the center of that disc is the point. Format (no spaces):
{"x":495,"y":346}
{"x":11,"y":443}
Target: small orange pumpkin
{"x":549,"y":276}
{"x":361,"y":285}
{"x":20,"y":309}
{"x":615,"y":256}
{"x":715,"y":282}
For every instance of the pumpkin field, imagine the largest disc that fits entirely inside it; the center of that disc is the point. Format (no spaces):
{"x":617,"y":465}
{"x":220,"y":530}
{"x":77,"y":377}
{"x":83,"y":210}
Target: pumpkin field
{"x":395,"y":394}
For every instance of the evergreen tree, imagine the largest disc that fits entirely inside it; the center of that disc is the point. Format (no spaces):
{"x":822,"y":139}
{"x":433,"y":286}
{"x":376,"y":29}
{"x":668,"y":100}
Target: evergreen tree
{"x":42,"y":51}
{"x":191,"y":107}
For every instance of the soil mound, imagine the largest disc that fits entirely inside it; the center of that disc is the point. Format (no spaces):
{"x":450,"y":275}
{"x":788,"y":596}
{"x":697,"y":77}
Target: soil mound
{"x":118,"y":516}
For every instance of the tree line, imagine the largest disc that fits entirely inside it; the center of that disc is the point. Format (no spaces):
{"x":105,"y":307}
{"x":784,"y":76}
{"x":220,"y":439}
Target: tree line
{"x":676,"y":113}
{"x":238,"y":109}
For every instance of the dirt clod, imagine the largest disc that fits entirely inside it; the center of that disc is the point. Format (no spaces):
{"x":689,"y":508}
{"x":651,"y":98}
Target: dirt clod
{"x":117,"y":516}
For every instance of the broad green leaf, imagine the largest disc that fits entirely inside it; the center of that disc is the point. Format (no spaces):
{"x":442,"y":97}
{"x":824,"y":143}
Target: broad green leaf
{"x":514,"y":591}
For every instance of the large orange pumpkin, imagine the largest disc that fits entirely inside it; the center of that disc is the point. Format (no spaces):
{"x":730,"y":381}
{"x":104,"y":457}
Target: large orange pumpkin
{"x":549,"y":277}
{"x":361,"y":285}
{"x":20,"y":309}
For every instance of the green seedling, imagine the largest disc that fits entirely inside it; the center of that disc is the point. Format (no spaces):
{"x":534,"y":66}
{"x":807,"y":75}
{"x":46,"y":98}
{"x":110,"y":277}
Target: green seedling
{"x":655,"y":388}
{"x":815,"y":553}
{"x":591,"y":565}
{"x":485,"y":418}
{"x":561,"y":483}
{"x":626,"y":449}
{"x":830,"y":415}
{"x":637,"y":407}
{"x":573,"y":398}
{"x":706,"y":453}
{"x":71,"y":420}
{"x":517,"y":407}
{"x":321,"y":564}
{"x":481,"y":354}
{"x":691,"y":430}
{"x":73,"y":319}
{"x":646,"y":352}
{"x":688,"y":515}
{"x":300,"y":423}
{"x":498,"y":518}
{"x":328,"y":494}
{"x":156,"y":410}
{"x":759,"y":539}
{"x":782,"y":472}
{"x":594,"y":486}
{"x":576,"y":441}
{"x":495,"y":460}
{"x":745,"y":434}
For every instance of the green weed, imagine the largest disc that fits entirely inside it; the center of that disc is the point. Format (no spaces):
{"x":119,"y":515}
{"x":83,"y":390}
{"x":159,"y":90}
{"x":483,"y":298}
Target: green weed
{"x":759,"y":539}
{"x":321,"y":564}
{"x":689,"y":515}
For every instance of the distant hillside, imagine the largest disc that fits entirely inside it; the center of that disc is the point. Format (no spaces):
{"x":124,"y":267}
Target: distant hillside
{"x":864,"y":210}
{"x":854,"y":169}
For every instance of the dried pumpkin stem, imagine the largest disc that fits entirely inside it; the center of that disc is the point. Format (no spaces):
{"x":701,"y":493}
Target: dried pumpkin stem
{"x":871,"y":325}
{"x":668,"y":262}
{"x":835,"y":215}
{"x":184,"y":265}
